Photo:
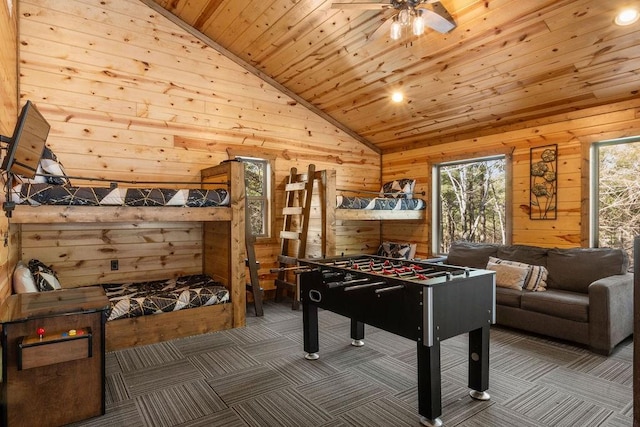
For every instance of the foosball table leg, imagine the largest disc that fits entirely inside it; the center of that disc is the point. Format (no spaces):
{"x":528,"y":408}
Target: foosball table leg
{"x":310,"y":330}
{"x":429,"y":385}
{"x":357,"y":333}
{"x":479,"y":363}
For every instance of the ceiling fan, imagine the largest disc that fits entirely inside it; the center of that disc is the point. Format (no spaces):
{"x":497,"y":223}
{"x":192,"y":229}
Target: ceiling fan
{"x":414,"y":14}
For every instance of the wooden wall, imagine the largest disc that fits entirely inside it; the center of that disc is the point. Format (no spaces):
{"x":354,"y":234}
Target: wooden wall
{"x":8,"y":116}
{"x":574,"y":133}
{"x":131,"y":96}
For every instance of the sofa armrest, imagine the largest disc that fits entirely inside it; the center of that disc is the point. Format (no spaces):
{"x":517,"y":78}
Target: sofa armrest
{"x":610,"y":311}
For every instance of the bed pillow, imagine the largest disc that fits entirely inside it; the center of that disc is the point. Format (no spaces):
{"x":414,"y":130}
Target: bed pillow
{"x":23,"y":279}
{"x":536,"y":279}
{"x":51,"y":167}
{"x":398,"y":189}
{"x":397,"y":250}
{"x":44,"y":276}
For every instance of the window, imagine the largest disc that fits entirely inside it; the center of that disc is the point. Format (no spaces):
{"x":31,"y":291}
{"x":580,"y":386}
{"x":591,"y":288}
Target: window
{"x":615,"y":193}
{"x":469,"y":198}
{"x":257,"y":174}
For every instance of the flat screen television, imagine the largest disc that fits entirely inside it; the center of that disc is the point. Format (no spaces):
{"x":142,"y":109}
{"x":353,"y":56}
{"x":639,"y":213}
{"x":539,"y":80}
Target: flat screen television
{"x":27,"y":143}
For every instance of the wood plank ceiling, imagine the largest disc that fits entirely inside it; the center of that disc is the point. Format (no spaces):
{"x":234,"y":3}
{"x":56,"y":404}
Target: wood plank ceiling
{"x":507,"y":62}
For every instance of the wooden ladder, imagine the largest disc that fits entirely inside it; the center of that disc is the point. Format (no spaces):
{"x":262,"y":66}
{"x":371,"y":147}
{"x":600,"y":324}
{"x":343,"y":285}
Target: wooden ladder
{"x":254,"y":280}
{"x":298,"y":194}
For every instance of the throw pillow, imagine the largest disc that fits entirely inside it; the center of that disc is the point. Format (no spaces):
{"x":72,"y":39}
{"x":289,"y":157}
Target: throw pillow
{"x":509,"y":276}
{"x":53,"y":168}
{"x":397,"y":250}
{"x":44,"y":276}
{"x":398,"y":189}
{"x":536,"y":279}
{"x":23,"y":279}
{"x":50,"y":171}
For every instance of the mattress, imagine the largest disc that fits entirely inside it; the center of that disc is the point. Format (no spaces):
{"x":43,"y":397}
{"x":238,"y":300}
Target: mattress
{"x":379,"y":203}
{"x":161,"y":296}
{"x":36,"y":194}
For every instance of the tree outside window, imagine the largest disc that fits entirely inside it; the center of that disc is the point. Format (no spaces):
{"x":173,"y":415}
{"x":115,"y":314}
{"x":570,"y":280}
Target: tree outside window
{"x":256,"y":176}
{"x":470,"y":198}
{"x":615,"y":194}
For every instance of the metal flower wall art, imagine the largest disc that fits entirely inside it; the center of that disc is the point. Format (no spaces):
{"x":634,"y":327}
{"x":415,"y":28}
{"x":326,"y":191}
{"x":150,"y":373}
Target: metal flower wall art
{"x":543,"y":202}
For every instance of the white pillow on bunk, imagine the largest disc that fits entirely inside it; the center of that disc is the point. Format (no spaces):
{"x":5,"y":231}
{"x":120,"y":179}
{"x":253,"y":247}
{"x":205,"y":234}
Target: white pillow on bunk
{"x":23,"y":280}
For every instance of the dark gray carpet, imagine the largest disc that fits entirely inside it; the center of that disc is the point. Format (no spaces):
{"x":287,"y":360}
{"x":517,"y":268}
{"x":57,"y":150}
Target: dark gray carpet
{"x":257,"y":376}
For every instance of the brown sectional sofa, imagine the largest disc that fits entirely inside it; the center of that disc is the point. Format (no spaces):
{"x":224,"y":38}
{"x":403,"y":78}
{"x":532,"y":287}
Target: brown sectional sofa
{"x":588,"y":297}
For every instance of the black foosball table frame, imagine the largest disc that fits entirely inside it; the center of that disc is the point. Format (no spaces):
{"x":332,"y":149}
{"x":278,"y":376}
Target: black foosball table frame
{"x":422,"y":301}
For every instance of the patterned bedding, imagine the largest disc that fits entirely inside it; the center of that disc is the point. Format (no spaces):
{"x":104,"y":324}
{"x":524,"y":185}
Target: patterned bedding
{"x":50,"y":194}
{"x":145,"y":298}
{"x":379,"y":203}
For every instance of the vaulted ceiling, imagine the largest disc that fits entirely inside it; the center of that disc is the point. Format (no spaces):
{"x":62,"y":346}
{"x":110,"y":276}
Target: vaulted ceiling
{"x":507,"y":62}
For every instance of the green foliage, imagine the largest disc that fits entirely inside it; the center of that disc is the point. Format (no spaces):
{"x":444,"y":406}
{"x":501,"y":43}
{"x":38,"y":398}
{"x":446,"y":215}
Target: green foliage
{"x":472,"y":202}
{"x":255,"y":172}
{"x":619,"y":195}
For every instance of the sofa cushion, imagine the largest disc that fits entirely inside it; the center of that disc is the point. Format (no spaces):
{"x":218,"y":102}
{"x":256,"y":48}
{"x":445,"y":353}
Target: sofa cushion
{"x":509,"y":297}
{"x":536,"y":278}
{"x":468,"y":254}
{"x":563,"y":304}
{"x":522,"y":253}
{"x":575,"y":269}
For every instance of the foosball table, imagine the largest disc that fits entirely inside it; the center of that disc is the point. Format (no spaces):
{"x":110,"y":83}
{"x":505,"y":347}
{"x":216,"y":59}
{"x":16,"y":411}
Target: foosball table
{"x":422,"y":301}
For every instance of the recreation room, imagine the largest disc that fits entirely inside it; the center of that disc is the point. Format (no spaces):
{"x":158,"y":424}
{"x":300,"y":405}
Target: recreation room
{"x":247,"y":213}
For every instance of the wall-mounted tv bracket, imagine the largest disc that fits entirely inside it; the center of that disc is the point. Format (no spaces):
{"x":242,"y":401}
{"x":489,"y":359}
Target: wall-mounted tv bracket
{"x":8,"y":205}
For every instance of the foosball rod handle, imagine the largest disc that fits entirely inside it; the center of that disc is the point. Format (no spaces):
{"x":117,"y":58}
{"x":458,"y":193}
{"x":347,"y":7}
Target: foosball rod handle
{"x":389,"y":289}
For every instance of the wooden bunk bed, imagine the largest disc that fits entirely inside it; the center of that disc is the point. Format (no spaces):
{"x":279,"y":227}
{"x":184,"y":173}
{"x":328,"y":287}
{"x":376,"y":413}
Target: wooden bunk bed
{"x":223,"y":257}
{"x":215,"y":210}
{"x":333,"y":214}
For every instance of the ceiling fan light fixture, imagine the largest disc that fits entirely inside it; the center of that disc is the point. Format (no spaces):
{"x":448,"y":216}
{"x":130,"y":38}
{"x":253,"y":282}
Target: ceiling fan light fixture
{"x":418,"y":24}
{"x":404,"y":17}
{"x":396,"y":30}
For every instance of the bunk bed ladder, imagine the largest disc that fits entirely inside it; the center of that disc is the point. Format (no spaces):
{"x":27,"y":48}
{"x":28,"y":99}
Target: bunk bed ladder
{"x":253,"y":265}
{"x":296,"y":213}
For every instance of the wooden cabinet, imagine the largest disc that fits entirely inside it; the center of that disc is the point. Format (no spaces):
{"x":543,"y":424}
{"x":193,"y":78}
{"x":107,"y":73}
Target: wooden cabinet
{"x":53,"y":357}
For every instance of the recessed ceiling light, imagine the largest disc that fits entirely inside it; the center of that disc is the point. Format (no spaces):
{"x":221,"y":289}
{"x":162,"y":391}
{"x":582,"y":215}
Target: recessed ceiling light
{"x":397,"y":97}
{"x":627,"y":16}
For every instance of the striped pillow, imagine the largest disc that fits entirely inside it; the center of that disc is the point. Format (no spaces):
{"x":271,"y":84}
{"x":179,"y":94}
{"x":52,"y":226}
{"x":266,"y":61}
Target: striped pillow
{"x":536,"y":279}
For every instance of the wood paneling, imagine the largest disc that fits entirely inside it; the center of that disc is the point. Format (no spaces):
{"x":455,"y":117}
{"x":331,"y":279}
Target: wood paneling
{"x":133,"y":96}
{"x":130,"y":96}
{"x":8,"y":117}
{"x":508,"y":62}
{"x":81,"y":254}
{"x":573,"y":133}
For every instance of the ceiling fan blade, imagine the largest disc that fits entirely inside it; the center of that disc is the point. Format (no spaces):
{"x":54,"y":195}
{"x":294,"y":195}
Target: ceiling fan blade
{"x":383,"y":28}
{"x":438,"y":18}
{"x":360,"y":5}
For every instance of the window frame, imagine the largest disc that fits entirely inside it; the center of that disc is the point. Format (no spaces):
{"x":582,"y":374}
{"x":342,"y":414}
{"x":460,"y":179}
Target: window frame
{"x":269,"y":159}
{"x":594,"y":184}
{"x":436,"y":213}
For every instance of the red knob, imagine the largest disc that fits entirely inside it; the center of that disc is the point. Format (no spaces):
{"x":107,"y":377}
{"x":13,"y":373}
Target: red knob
{"x":40,"y":331}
